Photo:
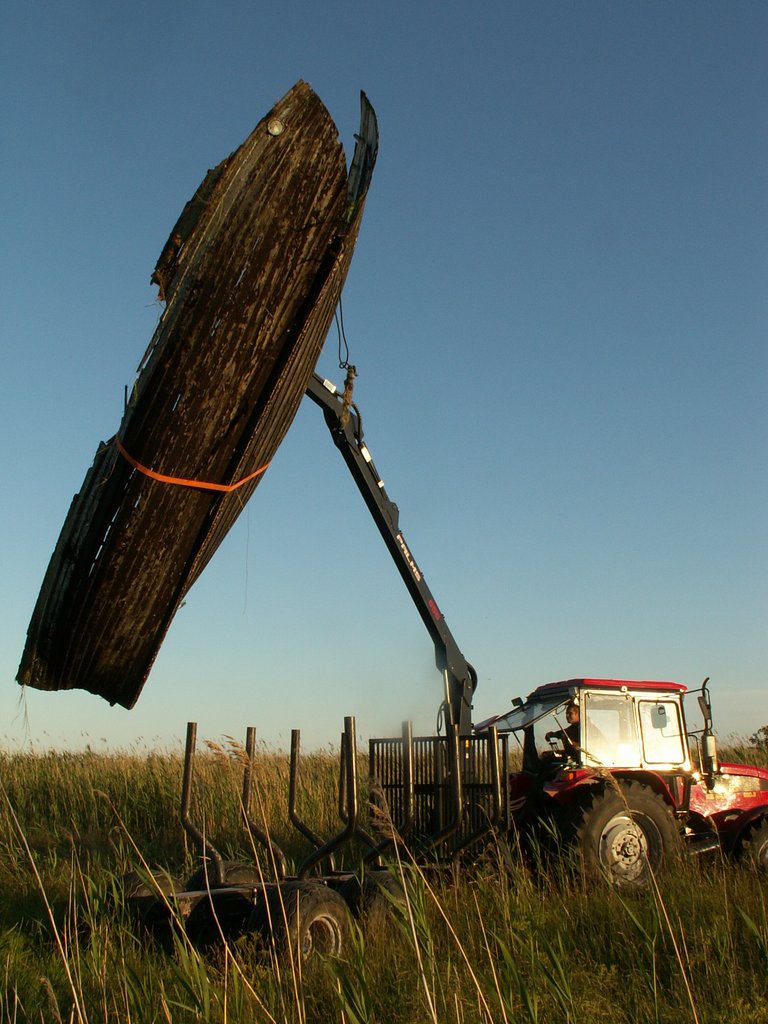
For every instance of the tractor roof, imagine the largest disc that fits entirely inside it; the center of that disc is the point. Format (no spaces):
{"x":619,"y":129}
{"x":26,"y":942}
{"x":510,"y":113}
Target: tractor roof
{"x":607,"y":684}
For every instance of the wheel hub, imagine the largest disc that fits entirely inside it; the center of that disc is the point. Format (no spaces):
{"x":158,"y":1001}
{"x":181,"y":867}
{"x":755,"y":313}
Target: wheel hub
{"x":321,"y":936}
{"x":623,"y":847}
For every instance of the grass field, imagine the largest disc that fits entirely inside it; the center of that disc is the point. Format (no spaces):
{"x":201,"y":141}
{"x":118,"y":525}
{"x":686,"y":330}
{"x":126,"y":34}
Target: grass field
{"x":495,"y":945}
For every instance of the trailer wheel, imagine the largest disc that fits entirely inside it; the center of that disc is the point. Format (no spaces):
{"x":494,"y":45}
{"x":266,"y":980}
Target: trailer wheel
{"x":141,"y":891}
{"x":372,"y":894}
{"x":623,"y":833}
{"x":755,"y":847}
{"x":302,"y":920}
{"x":235,"y":873}
{"x":148,"y":899}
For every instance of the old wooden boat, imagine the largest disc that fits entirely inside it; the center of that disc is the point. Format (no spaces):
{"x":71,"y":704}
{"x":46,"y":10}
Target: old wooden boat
{"x":251,"y":276}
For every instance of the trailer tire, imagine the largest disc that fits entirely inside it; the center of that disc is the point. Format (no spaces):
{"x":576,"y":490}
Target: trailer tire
{"x":623,"y":833}
{"x":302,"y":920}
{"x":235,"y":873}
{"x":148,"y":897}
{"x":373,"y":894}
{"x":140,"y":891}
{"x":755,"y":848}
{"x":147,"y":883}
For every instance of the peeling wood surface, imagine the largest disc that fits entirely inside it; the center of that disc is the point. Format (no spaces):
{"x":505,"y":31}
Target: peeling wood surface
{"x":251,"y":274}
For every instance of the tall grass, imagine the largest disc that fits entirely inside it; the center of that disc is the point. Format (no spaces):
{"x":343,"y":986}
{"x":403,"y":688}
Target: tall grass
{"x":494,"y":944}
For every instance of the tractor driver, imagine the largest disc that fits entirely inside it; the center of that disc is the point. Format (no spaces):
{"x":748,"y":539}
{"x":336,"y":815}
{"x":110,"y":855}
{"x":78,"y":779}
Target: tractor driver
{"x":571,"y":735}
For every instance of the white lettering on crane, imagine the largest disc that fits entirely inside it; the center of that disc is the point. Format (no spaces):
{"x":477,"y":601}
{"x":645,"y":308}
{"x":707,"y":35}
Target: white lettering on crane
{"x":409,"y":558}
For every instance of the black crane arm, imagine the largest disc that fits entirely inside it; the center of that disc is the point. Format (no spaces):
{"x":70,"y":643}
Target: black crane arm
{"x":343,"y":422}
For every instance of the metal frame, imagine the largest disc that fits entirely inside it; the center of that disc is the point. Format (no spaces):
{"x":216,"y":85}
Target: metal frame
{"x":441,"y":794}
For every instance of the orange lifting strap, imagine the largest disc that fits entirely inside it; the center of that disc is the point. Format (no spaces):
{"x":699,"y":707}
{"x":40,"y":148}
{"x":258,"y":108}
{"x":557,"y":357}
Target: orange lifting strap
{"x":179,"y":481}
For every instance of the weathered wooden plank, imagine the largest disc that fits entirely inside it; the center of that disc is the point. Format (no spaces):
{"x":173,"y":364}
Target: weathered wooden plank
{"x":251,"y":275}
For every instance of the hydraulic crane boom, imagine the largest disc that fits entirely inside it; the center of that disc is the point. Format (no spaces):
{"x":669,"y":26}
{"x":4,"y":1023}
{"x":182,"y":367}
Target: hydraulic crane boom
{"x":343,"y":422}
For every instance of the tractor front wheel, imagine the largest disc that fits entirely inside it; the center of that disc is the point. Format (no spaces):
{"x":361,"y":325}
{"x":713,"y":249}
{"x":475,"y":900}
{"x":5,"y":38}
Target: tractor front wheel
{"x":624,"y":832}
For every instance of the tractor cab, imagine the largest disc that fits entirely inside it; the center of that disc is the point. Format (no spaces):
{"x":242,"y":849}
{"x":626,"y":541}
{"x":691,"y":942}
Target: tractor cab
{"x":600,"y":723}
{"x":611,"y":767}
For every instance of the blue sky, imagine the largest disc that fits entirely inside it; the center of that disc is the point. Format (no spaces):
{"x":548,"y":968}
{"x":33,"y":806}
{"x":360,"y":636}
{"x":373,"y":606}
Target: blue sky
{"x":557,"y":309}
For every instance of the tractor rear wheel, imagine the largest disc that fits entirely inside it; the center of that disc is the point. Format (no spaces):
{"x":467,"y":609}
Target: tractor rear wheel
{"x":302,"y":919}
{"x":623,"y":832}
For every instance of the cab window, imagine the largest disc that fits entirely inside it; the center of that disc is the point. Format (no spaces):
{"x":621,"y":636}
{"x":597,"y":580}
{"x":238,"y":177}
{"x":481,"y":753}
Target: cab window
{"x":662,"y":735}
{"x":610,"y":731}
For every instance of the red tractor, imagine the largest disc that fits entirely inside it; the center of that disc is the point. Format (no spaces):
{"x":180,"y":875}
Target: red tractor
{"x":610,"y":768}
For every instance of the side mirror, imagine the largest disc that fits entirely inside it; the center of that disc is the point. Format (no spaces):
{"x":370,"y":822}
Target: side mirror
{"x":705,"y":708}
{"x":705,"y":705}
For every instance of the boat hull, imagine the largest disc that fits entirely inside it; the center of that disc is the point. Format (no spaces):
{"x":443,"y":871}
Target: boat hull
{"x":251,"y":276}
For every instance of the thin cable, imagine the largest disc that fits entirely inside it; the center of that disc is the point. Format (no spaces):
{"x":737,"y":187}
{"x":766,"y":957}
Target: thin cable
{"x":343,"y":344}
